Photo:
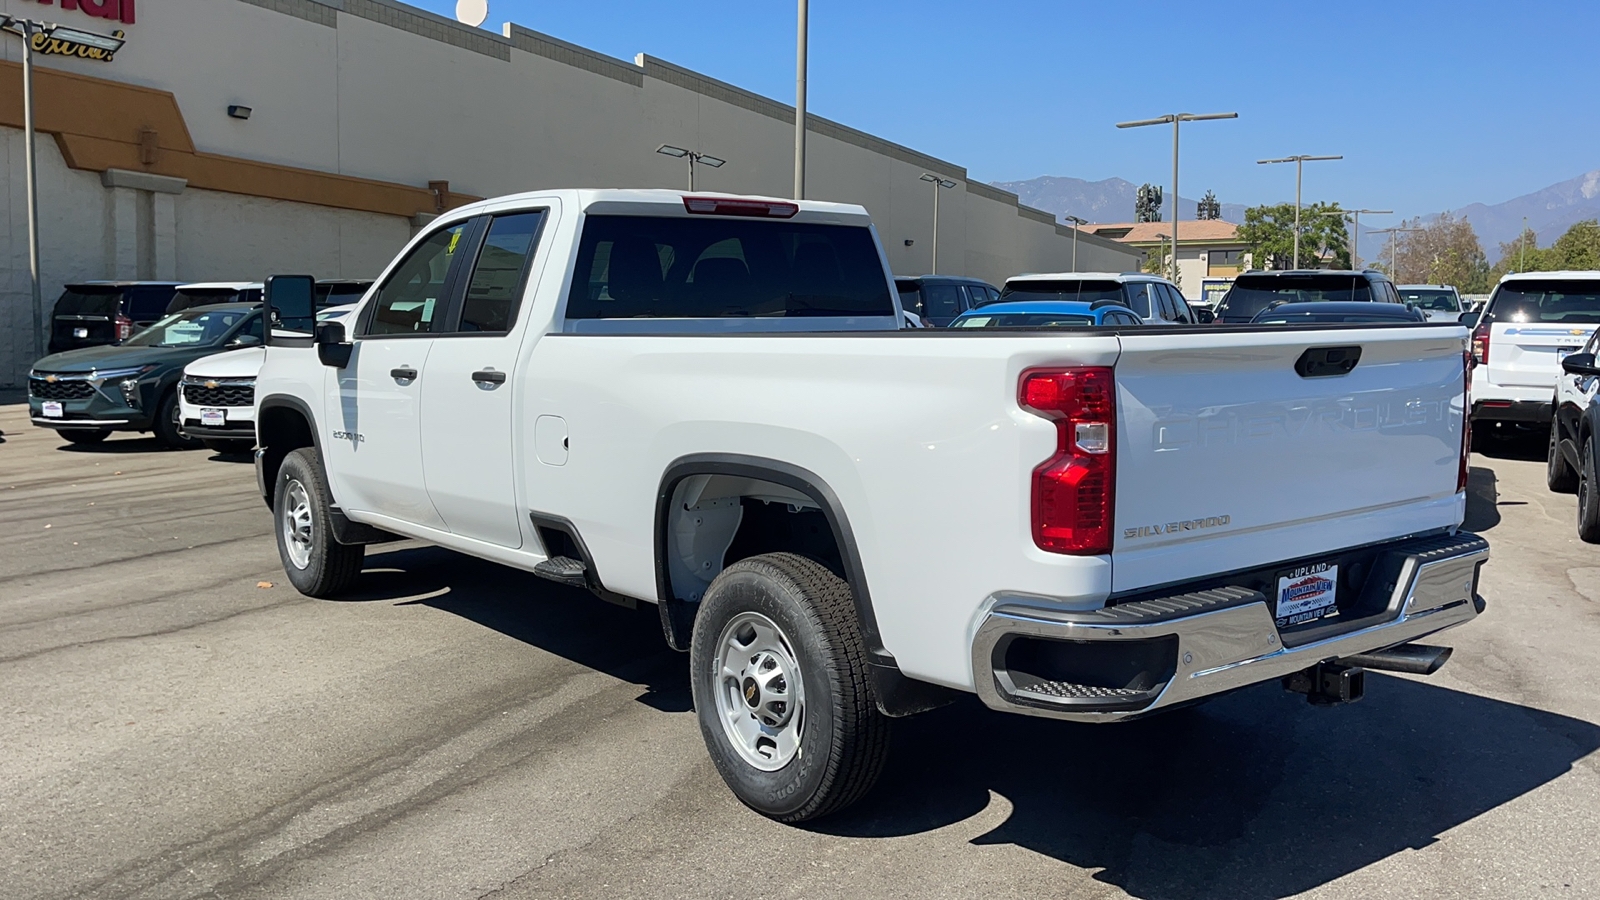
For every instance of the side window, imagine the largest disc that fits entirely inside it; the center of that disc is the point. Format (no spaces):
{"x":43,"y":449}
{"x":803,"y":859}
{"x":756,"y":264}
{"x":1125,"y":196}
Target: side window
{"x":942,"y":301}
{"x":497,"y":278}
{"x":975,"y":297}
{"x":1139,"y":299}
{"x":410,"y":301}
{"x":991,"y":293}
{"x":252,"y":327}
{"x":1180,"y":306}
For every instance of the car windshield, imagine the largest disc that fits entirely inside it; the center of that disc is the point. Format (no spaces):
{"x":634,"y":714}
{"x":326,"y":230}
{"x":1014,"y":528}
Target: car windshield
{"x":193,"y":328}
{"x":339,"y":293}
{"x":1250,"y":296}
{"x":1024,"y":320}
{"x":1076,"y":289}
{"x":1546,"y":301}
{"x":1432,"y":300}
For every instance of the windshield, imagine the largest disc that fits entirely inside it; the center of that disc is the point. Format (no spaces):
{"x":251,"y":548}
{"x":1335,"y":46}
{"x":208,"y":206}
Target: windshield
{"x":196,"y":328}
{"x":1433,"y":301}
{"x":79,"y":300}
{"x":1546,"y":301}
{"x":1024,"y":320}
{"x":1251,"y":296}
{"x":1073,"y":289}
{"x":338,"y":294}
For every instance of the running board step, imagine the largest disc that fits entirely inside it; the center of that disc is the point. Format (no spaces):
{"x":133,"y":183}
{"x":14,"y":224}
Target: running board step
{"x":563,"y":569}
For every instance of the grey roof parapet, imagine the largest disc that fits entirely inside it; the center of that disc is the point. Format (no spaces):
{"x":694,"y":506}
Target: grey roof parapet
{"x":448,"y":31}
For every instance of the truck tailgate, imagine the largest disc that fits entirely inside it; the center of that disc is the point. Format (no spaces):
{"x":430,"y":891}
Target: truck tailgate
{"x":1228,"y":457}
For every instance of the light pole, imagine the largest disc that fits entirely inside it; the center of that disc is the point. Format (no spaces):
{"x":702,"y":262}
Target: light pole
{"x":1299,"y":167}
{"x":693,"y":157}
{"x":1176,"y":119}
{"x":800,"y":106}
{"x":938,"y":185}
{"x":1355,"y":232}
{"x":27,"y":29}
{"x":1075,"y":223}
{"x":1394,"y":260}
{"x":1522,"y":252}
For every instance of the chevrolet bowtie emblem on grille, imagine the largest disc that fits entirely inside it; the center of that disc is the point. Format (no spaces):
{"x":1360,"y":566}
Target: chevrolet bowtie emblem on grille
{"x":212,"y":385}
{"x":51,"y":379}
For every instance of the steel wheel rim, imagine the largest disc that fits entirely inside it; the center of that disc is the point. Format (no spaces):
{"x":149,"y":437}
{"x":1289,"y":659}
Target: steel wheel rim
{"x":760,"y":694}
{"x":297,"y":537}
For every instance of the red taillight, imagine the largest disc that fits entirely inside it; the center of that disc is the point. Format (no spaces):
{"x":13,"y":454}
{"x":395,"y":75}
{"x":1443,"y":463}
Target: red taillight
{"x":1480,"y":345}
{"x":1073,"y":490}
{"x":729,"y":206}
{"x":1466,"y":418}
{"x":124,"y":327}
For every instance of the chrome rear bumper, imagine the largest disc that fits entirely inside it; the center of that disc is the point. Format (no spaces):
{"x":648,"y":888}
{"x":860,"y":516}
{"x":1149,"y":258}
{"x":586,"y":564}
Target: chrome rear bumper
{"x":1190,"y":646}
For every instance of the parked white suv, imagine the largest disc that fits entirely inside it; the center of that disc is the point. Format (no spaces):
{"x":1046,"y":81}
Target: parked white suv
{"x":706,"y":402}
{"x":1439,"y":302}
{"x":1531,"y":322}
{"x":1154,"y":299}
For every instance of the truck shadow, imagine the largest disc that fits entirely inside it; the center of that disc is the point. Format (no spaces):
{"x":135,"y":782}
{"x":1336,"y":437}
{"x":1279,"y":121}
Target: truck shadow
{"x":1256,"y":795}
{"x":568,"y":622}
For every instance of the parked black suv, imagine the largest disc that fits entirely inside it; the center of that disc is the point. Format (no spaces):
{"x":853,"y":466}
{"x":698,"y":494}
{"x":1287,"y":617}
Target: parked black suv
{"x":938,"y":299}
{"x":1255,"y":291}
{"x":91,"y":313}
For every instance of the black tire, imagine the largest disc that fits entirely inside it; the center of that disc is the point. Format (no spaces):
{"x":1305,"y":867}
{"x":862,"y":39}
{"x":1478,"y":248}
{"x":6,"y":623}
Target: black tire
{"x":228,"y":446}
{"x":169,"y":431}
{"x":843,"y":740}
{"x":328,"y":568}
{"x":84,"y":435}
{"x":1559,"y":476}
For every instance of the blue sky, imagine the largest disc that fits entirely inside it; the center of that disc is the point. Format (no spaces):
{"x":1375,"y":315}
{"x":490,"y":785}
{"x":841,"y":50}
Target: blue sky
{"x":1452,"y":103}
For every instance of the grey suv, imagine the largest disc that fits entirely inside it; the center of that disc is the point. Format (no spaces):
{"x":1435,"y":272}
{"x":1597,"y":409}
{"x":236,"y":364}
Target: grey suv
{"x":938,"y":299}
{"x":1255,"y":291}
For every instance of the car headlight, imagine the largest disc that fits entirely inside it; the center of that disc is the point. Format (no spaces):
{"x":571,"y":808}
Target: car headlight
{"x":101,"y":376}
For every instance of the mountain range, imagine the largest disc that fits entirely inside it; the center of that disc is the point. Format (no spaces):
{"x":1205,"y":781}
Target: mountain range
{"x":1549,"y":211}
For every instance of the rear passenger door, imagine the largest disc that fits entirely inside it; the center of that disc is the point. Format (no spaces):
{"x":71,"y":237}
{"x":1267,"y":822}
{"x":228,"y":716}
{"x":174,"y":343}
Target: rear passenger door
{"x":468,"y":386}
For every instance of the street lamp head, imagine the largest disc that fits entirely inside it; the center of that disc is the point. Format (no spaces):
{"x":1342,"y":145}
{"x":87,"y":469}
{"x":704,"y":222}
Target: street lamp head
{"x":711,"y":161}
{"x":1191,"y":117}
{"x":940,"y":181}
{"x":1075,"y":220}
{"x":1164,"y":120}
{"x":669,"y":150}
{"x":105,"y":42}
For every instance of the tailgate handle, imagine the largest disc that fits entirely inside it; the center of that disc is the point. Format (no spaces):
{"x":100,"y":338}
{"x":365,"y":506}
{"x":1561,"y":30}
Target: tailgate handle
{"x":1319,"y":362}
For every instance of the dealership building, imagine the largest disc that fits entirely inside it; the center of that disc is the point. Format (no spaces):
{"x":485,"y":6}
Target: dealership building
{"x":229,"y":139}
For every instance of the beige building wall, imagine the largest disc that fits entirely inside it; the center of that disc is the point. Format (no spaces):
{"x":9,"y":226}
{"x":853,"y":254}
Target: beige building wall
{"x":379,"y":90}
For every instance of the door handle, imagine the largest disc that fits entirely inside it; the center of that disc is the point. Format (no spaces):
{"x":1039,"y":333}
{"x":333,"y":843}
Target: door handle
{"x":489,"y":376}
{"x":403,"y":374}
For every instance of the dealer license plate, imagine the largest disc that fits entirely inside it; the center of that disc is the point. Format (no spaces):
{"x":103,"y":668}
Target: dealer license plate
{"x":1306,"y":593}
{"x":214,"y":418}
{"x":80,"y":332}
{"x":1564,"y":352}
{"x":52,"y":409}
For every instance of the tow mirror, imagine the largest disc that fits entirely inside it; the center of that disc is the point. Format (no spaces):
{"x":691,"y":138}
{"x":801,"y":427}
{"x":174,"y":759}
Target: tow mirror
{"x":1580,"y":364}
{"x":1469,"y":319}
{"x":291,"y":302}
{"x":1204,"y":316}
{"x":332,"y":348}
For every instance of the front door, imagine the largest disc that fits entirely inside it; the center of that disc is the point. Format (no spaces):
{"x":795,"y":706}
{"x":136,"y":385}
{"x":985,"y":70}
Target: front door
{"x":374,"y":403}
{"x":469,"y":386}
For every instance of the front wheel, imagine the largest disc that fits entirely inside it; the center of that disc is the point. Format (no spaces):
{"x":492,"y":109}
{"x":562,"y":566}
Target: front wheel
{"x":1559,"y":476}
{"x":781,"y":688}
{"x":317,"y":565}
{"x":168,"y":425}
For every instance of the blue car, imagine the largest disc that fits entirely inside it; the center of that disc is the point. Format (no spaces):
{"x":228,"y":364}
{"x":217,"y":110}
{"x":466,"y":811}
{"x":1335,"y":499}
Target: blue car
{"x":1048,"y":314}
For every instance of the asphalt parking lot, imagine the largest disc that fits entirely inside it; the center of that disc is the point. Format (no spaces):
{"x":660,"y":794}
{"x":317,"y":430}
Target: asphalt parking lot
{"x":178,"y":722}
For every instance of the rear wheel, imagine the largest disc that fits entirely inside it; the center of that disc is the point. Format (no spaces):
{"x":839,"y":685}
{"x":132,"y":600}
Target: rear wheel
{"x":317,"y":565}
{"x":168,"y":427}
{"x":1588,"y":496}
{"x":779,"y":674}
{"x":84,"y":435}
{"x":1559,"y":476}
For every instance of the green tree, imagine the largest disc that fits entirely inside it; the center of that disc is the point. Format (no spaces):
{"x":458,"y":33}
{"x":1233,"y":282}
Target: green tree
{"x":1269,"y":233}
{"x":1579,"y":248}
{"x":1445,"y":251}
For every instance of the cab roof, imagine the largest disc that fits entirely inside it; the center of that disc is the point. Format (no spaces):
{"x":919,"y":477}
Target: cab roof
{"x":1568,"y":274}
{"x":654,"y":202}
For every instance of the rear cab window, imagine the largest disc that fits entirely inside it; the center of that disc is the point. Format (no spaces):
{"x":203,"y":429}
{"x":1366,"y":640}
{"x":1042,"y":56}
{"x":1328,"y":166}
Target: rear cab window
{"x":1076,"y":289}
{"x":649,"y":267}
{"x":1251,"y":295}
{"x":1435,"y":300}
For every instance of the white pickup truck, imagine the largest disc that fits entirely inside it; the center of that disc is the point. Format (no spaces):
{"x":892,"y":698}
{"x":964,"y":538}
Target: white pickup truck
{"x":705,"y":403}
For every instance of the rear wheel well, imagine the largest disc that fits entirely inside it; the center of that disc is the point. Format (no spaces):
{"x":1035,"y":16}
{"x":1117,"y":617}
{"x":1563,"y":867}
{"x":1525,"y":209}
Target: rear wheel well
{"x":280,"y":430}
